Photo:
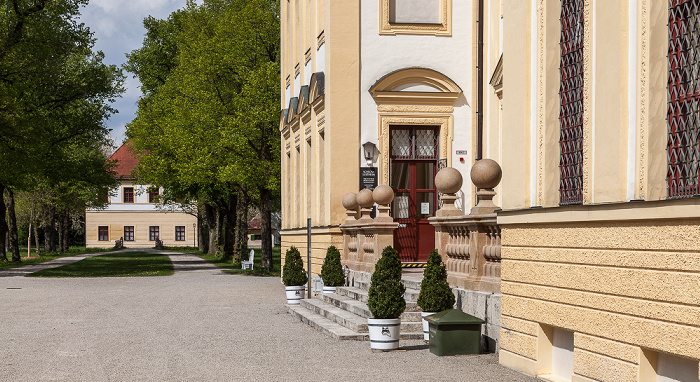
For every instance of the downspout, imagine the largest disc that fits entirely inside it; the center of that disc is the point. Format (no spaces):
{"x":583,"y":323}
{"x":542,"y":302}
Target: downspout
{"x":480,"y":83}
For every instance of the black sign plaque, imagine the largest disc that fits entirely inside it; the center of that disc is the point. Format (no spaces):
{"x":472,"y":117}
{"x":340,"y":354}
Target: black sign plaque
{"x":368,"y":178}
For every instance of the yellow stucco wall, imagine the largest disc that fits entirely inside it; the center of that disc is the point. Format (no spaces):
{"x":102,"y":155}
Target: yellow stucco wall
{"x":328,"y":124}
{"x":622,"y":271}
{"x":116,"y":220}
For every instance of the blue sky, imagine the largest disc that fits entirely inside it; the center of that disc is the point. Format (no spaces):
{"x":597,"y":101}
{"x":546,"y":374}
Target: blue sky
{"x":118,"y":27}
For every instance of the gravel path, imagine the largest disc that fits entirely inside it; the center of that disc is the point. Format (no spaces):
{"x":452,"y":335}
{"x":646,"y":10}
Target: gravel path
{"x":197,"y":325}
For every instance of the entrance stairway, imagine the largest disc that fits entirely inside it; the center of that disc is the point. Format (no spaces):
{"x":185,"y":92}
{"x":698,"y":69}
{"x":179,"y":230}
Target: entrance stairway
{"x":343,"y":315}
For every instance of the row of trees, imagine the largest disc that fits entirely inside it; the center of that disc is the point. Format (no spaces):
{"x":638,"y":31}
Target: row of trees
{"x":55,"y":93}
{"x":207,"y":124}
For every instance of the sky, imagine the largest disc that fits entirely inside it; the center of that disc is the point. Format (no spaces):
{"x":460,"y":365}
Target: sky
{"x":118,"y":27}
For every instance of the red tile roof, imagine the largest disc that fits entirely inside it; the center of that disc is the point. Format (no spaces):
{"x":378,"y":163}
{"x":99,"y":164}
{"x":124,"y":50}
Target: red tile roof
{"x":126,"y":161}
{"x":255,"y":223}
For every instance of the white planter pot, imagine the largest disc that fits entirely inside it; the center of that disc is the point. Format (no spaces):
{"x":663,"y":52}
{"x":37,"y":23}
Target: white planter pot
{"x":294,"y":294}
{"x":384,"y":333}
{"x":327,"y":289}
{"x":426,"y":334}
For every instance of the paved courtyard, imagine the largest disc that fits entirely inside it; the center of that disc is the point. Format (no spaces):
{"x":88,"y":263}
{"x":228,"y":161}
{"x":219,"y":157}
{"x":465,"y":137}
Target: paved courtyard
{"x":197,"y":325}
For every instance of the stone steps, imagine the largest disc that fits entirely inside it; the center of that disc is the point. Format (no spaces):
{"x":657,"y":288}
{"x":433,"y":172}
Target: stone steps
{"x":324,"y":325}
{"x":358,"y":307}
{"x":411,"y":296}
{"x":343,"y":315}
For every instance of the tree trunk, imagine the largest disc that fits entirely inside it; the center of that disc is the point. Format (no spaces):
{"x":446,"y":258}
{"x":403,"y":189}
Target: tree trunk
{"x":49,"y":238}
{"x":3,"y":225}
{"x":14,"y":240}
{"x":211,"y":215}
{"x":65,"y":228}
{"x":200,"y":233}
{"x":266,"y":229}
{"x":59,"y":231}
{"x":241,"y":240}
{"x":36,"y":239}
{"x":229,"y":228}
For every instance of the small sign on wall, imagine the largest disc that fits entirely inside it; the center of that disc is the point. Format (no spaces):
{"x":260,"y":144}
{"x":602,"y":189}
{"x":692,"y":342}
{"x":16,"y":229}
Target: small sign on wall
{"x":461,"y":152}
{"x":368,"y":178}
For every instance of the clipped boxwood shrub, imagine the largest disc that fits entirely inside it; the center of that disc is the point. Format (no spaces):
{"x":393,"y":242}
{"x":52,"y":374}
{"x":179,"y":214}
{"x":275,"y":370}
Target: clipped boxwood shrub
{"x":386,"y":292}
{"x":293,"y":271}
{"x":332,"y":271}
{"x":435,"y":293}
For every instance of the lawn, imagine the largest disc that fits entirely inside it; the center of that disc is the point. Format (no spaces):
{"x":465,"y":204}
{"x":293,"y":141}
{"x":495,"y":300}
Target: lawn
{"x":235,"y":268}
{"x":120,"y":264}
{"x":72,"y":251}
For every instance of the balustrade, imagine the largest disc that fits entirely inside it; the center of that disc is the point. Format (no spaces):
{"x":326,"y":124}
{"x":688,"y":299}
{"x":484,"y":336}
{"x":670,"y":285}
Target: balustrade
{"x":365,"y":238}
{"x":470,"y":244}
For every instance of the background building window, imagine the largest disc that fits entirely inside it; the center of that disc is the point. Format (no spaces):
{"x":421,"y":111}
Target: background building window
{"x":153,"y":233}
{"x":683,"y":146}
{"x":128,"y":194}
{"x":180,"y":233}
{"x":153,"y":194}
{"x":103,"y":233}
{"x":129,"y":233}
{"x":571,"y":103}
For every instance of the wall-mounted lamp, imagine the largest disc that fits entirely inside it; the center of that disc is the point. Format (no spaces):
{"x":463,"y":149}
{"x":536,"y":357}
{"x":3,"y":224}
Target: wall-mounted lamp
{"x":369,"y":149}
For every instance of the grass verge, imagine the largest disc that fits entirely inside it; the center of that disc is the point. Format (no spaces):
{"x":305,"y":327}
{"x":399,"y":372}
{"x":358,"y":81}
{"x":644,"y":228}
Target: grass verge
{"x":72,"y":251}
{"x":235,"y":268}
{"x":121,"y":264}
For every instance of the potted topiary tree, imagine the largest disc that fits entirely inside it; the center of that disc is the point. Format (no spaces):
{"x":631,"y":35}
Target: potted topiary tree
{"x":435,"y":293}
{"x":332,"y":271}
{"x":386,"y":302}
{"x":294,"y":276}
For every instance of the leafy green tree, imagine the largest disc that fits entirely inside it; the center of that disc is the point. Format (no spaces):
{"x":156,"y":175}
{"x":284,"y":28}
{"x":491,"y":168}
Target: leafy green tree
{"x":210,"y":129}
{"x":54,"y":96}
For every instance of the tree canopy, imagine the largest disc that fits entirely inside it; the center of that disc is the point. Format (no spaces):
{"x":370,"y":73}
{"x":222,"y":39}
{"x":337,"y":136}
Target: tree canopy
{"x":208,"y":131}
{"x":55,"y":94}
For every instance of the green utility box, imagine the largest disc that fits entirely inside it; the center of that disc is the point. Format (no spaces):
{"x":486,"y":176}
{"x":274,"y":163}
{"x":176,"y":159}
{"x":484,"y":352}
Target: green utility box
{"x":453,"y":332}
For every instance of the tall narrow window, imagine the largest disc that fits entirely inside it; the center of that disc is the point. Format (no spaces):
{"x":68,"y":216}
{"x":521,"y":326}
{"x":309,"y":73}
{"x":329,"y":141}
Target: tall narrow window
{"x":128,"y":194}
{"x":129,"y":233}
{"x":153,"y":194}
{"x":571,"y":103}
{"x":180,"y":233}
{"x":683,"y":150}
{"x":103,"y":233}
{"x":153,"y":232}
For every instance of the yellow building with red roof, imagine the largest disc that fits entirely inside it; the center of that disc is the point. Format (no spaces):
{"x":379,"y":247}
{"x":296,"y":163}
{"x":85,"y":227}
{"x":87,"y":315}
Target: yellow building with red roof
{"x":134,"y":215}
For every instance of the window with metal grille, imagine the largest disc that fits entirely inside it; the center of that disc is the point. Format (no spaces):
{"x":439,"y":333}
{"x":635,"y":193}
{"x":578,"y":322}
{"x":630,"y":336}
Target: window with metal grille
{"x":153,"y":233}
{"x":571,"y":103}
{"x":103,"y":233}
{"x":414,"y":142}
{"x":128,"y":194}
{"x":129,"y":233}
{"x":683,"y":117}
{"x":180,"y":233}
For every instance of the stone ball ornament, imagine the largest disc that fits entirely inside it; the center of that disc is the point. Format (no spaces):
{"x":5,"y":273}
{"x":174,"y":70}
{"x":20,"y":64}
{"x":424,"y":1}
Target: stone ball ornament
{"x":486,"y":173}
{"x":365,"y":199}
{"x":383,"y":194}
{"x":448,"y":180}
{"x":350,"y":201}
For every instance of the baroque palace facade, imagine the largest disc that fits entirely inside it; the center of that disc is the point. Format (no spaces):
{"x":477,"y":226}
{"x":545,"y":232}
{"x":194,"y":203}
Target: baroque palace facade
{"x":590,"y":268}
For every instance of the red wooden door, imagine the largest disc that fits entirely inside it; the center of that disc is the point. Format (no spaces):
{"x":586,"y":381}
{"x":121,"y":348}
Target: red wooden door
{"x":414,"y":158}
